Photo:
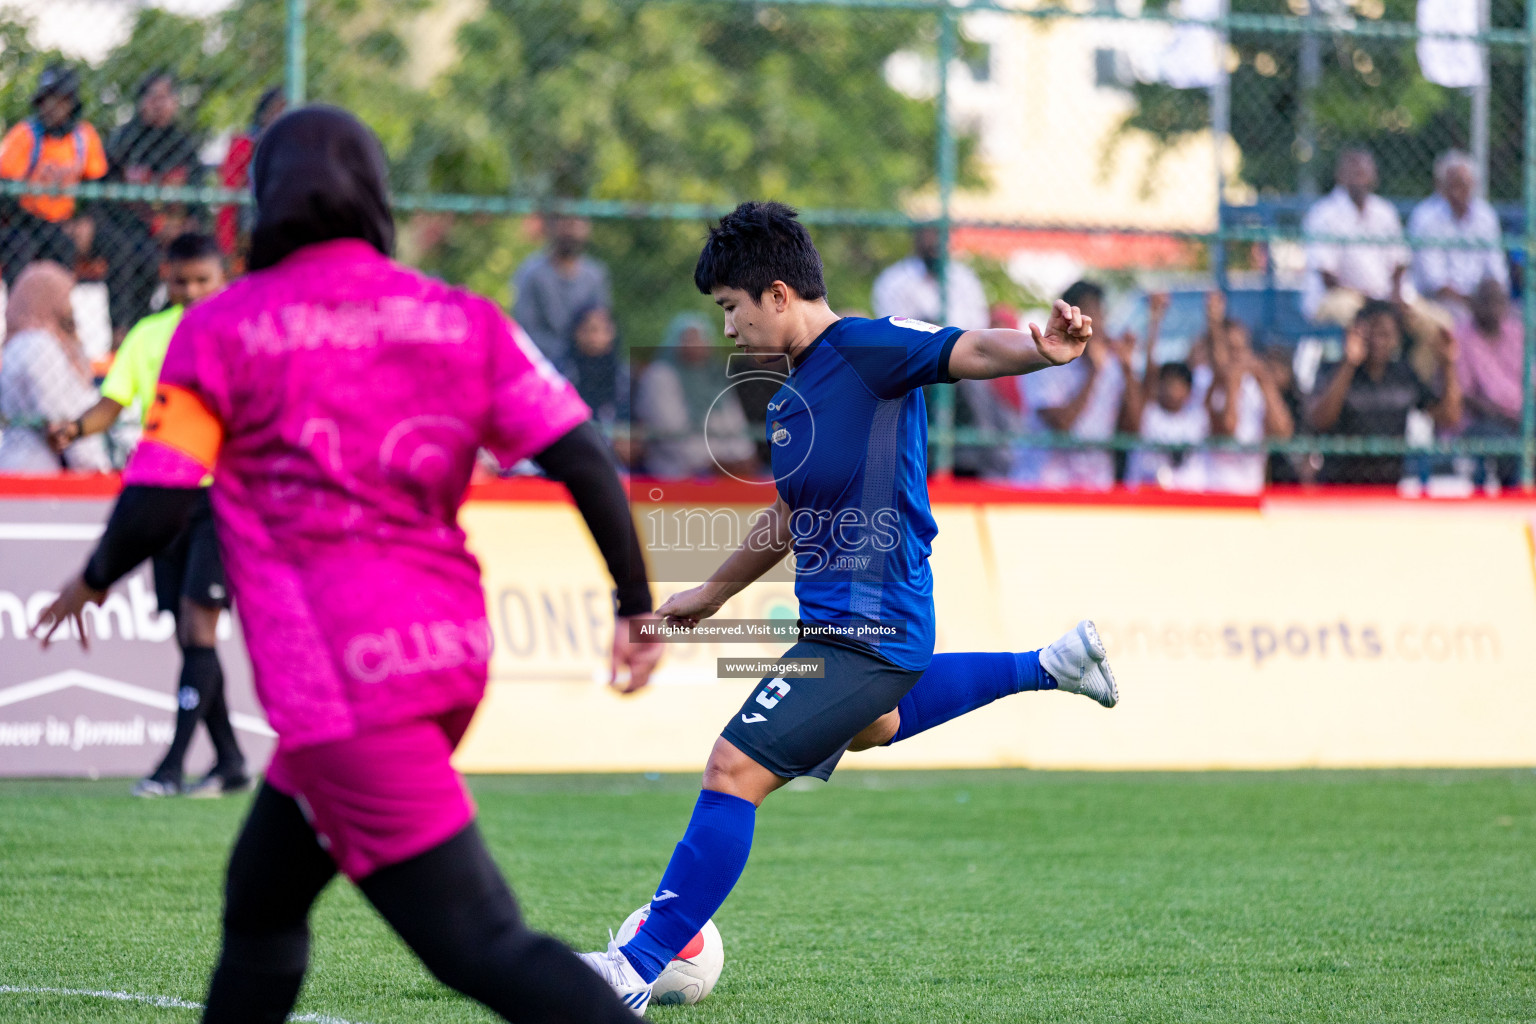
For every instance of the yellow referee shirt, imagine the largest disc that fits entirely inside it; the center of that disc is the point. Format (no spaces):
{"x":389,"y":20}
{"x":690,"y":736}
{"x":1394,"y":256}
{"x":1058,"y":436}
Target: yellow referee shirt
{"x":136,"y":367}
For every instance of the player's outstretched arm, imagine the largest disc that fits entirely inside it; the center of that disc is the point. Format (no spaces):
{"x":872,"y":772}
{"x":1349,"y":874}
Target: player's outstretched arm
{"x":179,"y":447}
{"x":766,"y":545}
{"x":581,"y":462}
{"x":144,"y":520}
{"x":998,"y":352}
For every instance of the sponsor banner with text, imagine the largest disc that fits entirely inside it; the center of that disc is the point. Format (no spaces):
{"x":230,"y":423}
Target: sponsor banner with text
{"x":111,"y":710}
{"x":1298,"y":633}
{"x":1293,"y":635}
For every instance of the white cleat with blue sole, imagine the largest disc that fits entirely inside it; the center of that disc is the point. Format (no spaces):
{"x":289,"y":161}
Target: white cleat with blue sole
{"x":1080,"y":664}
{"x":614,"y":968}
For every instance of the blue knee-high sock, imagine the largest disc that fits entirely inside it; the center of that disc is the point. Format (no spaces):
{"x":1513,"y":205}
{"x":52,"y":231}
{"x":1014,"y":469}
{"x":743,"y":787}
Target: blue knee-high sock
{"x":703,"y":870}
{"x":957,"y":683}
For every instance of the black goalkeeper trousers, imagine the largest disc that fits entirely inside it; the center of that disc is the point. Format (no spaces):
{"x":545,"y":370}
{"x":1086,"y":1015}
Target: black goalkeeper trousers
{"x":450,"y":905}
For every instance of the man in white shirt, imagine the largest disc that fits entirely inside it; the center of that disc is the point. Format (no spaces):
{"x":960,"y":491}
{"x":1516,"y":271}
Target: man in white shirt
{"x":910,"y":287}
{"x":1456,"y":213}
{"x":1342,"y":275}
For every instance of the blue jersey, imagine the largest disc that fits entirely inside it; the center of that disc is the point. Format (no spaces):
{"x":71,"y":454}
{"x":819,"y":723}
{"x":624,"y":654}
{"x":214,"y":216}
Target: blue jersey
{"x":849,"y":434}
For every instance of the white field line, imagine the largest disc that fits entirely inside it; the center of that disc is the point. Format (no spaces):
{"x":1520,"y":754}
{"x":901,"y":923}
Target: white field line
{"x":164,"y":1002}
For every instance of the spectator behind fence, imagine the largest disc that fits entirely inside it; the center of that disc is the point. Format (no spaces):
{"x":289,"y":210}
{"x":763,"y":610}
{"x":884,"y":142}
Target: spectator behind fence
{"x":1343,"y":275}
{"x":601,"y":374}
{"x":1082,"y":400}
{"x":1490,"y":345}
{"x":103,"y":252}
{"x":233,"y":226}
{"x":1172,"y":417}
{"x":683,"y":392}
{"x":910,"y":288}
{"x":1372,"y":391}
{"x":1455,"y":213}
{"x":52,"y":147}
{"x":1245,"y":406}
{"x":150,"y":148}
{"x":994,"y":406}
{"x":553,"y":284}
{"x":44,"y":375}
{"x":1162,"y":408}
{"x":1287,"y":467}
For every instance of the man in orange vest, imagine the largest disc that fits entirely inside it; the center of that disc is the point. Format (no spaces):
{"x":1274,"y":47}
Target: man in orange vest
{"x":52,"y":147}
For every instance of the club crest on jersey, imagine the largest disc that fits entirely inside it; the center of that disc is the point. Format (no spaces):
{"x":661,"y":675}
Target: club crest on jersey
{"x":915,"y":325}
{"x":780,"y":435}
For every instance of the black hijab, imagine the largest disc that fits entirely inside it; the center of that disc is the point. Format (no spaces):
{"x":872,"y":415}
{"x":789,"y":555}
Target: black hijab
{"x":318,"y":174}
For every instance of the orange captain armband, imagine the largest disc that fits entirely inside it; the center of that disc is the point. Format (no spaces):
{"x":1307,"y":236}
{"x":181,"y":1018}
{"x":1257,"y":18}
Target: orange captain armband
{"x":178,"y":419}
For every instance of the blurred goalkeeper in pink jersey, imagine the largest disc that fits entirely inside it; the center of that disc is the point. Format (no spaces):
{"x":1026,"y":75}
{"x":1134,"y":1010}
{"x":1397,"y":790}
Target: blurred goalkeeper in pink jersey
{"x":341,"y":399}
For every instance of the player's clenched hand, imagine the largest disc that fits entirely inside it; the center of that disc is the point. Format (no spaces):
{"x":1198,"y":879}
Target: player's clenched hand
{"x":638,"y":657}
{"x":690,"y":607}
{"x":1065,"y":334}
{"x":68,"y":607}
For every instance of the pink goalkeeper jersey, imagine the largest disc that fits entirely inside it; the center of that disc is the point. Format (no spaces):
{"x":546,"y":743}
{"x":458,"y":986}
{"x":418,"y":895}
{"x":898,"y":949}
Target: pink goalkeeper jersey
{"x":343,"y":398}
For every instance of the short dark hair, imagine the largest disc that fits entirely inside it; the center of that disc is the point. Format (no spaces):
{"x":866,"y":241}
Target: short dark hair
{"x":193,"y":245}
{"x":1379,"y":307}
{"x":757,"y":244}
{"x":1179,"y":370}
{"x":1081,"y":290}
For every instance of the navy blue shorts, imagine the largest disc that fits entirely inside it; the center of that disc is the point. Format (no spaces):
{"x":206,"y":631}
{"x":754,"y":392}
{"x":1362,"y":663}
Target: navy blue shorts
{"x":803,"y":726}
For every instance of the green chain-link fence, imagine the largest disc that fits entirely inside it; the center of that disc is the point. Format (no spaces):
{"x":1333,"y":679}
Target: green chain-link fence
{"x":1156,"y":149}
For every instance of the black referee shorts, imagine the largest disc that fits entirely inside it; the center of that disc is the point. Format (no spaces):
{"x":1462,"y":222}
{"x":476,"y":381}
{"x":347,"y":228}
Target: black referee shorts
{"x":190,"y":566}
{"x":803,"y":726}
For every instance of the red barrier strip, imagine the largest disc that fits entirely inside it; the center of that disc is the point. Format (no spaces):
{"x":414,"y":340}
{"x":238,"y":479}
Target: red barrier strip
{"x":941,"y":491}
{"x":61,"y":485}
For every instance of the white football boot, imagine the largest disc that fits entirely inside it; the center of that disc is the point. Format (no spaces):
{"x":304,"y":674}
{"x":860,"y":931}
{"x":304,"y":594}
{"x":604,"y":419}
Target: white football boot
{"x":614,"y":968}
{"x":1080,"y":664}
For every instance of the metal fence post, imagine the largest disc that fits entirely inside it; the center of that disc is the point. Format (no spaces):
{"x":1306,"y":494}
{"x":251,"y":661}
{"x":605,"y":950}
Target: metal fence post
{"x":294,"y":83}
{"x":1528,"y":284}
{"x":1310,"y":68}
{"x":944,"y":398}
{"x":1481,"y":95}
{"x":1221,"y":131}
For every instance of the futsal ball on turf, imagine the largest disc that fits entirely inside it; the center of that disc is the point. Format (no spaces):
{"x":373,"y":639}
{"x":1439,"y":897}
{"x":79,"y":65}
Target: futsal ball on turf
{"x":693,"y":972}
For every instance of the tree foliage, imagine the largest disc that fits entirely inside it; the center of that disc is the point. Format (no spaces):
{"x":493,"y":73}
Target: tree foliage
{"x":1370,"y":92}
{"x":686,"y":101}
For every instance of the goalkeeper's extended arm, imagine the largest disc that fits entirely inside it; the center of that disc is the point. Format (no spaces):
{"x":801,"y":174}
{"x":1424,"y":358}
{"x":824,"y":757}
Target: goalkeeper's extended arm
{"x":144,"y":520}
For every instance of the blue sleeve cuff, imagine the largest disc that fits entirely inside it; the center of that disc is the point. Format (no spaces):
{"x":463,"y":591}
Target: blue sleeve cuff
{"x":941,"y":376}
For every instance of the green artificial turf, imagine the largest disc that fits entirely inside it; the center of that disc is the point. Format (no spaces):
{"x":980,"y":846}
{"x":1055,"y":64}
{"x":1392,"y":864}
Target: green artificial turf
{"x":956,"y":896}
